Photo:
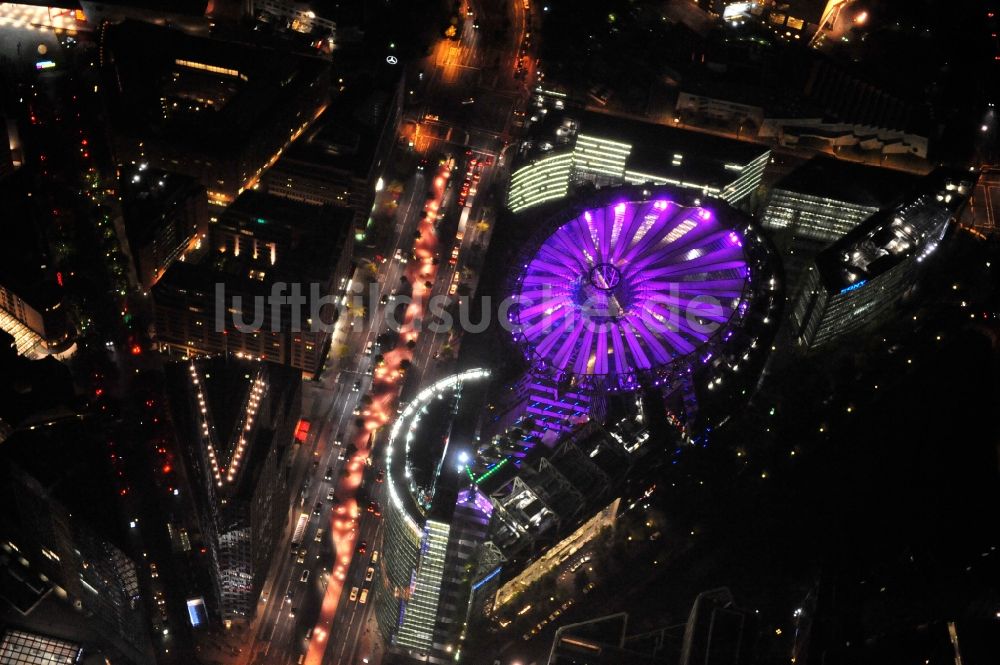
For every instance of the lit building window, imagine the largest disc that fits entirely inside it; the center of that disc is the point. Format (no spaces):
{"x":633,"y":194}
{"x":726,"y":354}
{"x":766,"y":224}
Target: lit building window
{"x":22,"y":648}
{"x":225,"y":71}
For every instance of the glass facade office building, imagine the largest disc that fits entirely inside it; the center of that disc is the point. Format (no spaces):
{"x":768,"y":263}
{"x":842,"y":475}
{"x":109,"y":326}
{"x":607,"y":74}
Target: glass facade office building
{"x":63,"y":584}
{"x":825,"y":199}
{"x":19,"y":647}
{"x":814,"y":217}
{"x":419,"y":613}
{"x":567,"y":149}
{"x":432,"y":540}
{"x":859,"y":278}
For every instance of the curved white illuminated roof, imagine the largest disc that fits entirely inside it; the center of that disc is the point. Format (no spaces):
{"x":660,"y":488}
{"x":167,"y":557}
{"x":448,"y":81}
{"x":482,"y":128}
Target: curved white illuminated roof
{"x":402,"y":433}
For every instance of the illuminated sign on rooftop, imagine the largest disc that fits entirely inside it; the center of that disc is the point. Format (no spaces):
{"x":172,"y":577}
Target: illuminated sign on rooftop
{"x":853,"y":287}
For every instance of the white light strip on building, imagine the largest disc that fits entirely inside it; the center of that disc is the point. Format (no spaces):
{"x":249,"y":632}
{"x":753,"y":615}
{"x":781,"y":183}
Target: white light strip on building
{"x":532,"y":171}
{"x":639,"y":178}
{"x":610,"y":145}
{"x":415,"y":406}
{"x":252,"y":405}
{"x":540,"y":181}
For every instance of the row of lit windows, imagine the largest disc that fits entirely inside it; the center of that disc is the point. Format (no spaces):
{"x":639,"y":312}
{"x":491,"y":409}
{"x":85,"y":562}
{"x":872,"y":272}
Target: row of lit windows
{"x":818,"y":217}
{"x":748,"y":180}
{"x":604,"y":161}
{"x":544,"y":180}
{"x":534,"y":171}
{"x":422,"y":609}
{"x":606,"y":144}
{"x":214,"y":69}
{"x":600,"y":156}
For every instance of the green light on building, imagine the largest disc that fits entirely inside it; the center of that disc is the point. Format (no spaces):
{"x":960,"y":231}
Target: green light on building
{"x":492,"y":471}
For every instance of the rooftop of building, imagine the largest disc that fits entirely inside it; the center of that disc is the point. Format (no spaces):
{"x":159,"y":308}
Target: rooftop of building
{"x":209,"y":94}
{"x":309,"y":240}
{"x":670,"y":152}
{"x":25,"y":264}
{"x":888,"y":237}
{"x":849,"y":182}
{"x":33,"y":391}
{"x":269,"y":212}
{"x":787,"y":83}
{"x":50,"y":421}
{"x":807,"y":10}
{"x":347,"y":134}
{"x":190,"y":7}
{"x":599,"y":641}
{"x":435,"y":432}
{"x":772,"y":100}
{"x":444,"y":433}
{"x":148,"y":195}
{"x":226,"y":384}
{"x":67,"y":579}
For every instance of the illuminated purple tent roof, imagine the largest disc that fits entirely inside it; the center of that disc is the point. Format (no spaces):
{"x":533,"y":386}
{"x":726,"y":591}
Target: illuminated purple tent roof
{"x":630,"y":292}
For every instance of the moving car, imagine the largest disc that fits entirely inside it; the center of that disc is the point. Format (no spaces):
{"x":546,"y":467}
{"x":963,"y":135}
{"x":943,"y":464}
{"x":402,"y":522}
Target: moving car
{"x":354,"y":594}
{"x":305,"y":576}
